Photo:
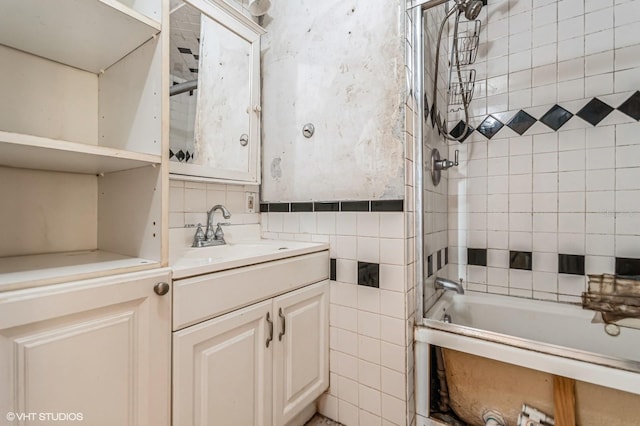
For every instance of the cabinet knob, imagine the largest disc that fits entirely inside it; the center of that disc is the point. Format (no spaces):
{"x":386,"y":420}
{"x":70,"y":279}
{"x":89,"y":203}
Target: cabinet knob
{"x":257,"y":108}
{"x":161,"y":288}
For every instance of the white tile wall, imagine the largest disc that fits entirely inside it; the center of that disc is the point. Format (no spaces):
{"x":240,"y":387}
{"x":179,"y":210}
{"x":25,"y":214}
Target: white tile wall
{"x":189,"y":202}
{"x":369,"y":327}
{"x":573,"y":191}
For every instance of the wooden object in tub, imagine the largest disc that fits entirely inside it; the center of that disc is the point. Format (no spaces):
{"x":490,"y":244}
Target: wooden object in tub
{"x":564,"y":398}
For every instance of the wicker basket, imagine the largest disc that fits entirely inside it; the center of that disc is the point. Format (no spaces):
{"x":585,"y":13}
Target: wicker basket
{"x":616,"y":297}
{"x":614,"y":285}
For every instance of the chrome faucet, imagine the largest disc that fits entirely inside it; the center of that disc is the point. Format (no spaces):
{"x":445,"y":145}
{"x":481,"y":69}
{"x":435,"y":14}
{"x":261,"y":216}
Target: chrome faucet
{"x":211,"y":237}
{"x":445,"y":284}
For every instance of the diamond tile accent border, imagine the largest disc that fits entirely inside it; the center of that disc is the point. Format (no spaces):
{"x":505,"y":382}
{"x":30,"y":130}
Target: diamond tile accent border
{"x":593,"y":112}
{"x":631,"y":106}
{"x":182,"y":156}
{"x":521,"y":122}
{"x":432,"y":113}
{"x":556,"y":117}
{"x":490,"y":126}
{"x":459,"y":128}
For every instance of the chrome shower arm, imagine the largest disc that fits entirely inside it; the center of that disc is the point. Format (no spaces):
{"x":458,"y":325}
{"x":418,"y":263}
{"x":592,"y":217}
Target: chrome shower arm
{"x":426,"y":4}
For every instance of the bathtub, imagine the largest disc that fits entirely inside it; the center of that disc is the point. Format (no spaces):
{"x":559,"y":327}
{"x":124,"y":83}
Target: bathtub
{"x":556,"y":338}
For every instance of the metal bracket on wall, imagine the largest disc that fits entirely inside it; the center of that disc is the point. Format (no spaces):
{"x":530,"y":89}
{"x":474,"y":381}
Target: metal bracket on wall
{"x":308,"y":130}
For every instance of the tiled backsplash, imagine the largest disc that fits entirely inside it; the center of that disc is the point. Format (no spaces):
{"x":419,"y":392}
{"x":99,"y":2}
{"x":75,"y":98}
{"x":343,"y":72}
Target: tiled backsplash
{"x":548,"y":187}
{"x":189,"y":202}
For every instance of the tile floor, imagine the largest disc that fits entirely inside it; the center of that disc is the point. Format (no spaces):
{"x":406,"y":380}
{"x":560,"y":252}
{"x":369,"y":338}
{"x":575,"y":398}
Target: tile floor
{"x":319,"y":420}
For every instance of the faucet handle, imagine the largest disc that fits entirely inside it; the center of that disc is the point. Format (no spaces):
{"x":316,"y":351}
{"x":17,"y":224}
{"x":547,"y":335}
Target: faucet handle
{"x":199,"y":237}
{"x":219,"y":234}
{"x":457,"y":155}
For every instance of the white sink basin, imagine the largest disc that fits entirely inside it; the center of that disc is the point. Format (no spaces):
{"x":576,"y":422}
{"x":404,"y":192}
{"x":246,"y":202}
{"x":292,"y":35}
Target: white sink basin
{"x":189,"y":261}
{"x":248,"y":249}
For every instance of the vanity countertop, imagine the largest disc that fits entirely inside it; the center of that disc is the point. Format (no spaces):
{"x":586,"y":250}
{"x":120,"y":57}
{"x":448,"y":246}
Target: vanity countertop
{"x":189,"y":261}
{"x":244,"y":247}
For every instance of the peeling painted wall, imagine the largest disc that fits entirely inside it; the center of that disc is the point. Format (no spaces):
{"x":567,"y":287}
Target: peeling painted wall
{"x":340,"y":66}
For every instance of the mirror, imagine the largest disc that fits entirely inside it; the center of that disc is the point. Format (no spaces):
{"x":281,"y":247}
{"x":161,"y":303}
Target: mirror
{"x":214,"y":102}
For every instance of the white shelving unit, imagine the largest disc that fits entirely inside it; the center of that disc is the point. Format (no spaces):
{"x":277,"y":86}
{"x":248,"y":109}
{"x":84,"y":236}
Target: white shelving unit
{"x":56,"y":267}
{"x":34,"y":152}
{"x":82,"y":139}
{"x":90,"y":35}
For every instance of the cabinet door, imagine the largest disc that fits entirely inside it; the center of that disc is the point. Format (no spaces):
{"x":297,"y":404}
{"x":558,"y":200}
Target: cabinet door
{"x":224,"y":135}
{"x":301,"y":366}
{"x":222,"y":370}
{"x":98,"y":348}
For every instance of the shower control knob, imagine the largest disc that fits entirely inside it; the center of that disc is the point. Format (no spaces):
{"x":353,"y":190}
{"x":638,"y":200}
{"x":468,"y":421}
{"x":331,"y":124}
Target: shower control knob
{"x":444,"y":164}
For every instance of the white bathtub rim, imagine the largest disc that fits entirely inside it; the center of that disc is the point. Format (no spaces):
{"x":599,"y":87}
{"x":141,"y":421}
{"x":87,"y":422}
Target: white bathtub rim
{"x":536,"y":346}
{"x":513,"y":302}
{"x":433,"y":319}
{"x":602,"y":375}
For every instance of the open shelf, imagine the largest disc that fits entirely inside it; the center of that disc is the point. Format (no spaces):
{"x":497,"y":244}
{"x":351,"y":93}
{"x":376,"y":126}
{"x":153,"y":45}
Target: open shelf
{"x":42,"y":269}
{"x":87,"y":34}
{"x":81,"y":139}
{"x":34,"y":152}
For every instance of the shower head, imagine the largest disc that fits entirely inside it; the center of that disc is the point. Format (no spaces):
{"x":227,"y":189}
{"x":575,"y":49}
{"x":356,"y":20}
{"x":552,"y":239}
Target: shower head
{"x":470,"y":8}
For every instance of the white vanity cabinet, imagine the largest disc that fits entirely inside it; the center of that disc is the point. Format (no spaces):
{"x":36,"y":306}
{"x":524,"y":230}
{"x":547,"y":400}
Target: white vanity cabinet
{"x":262,"y":364}
{"x":301,"y":350}
{"x":98,"y":348}
{"x":222,"y":370}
